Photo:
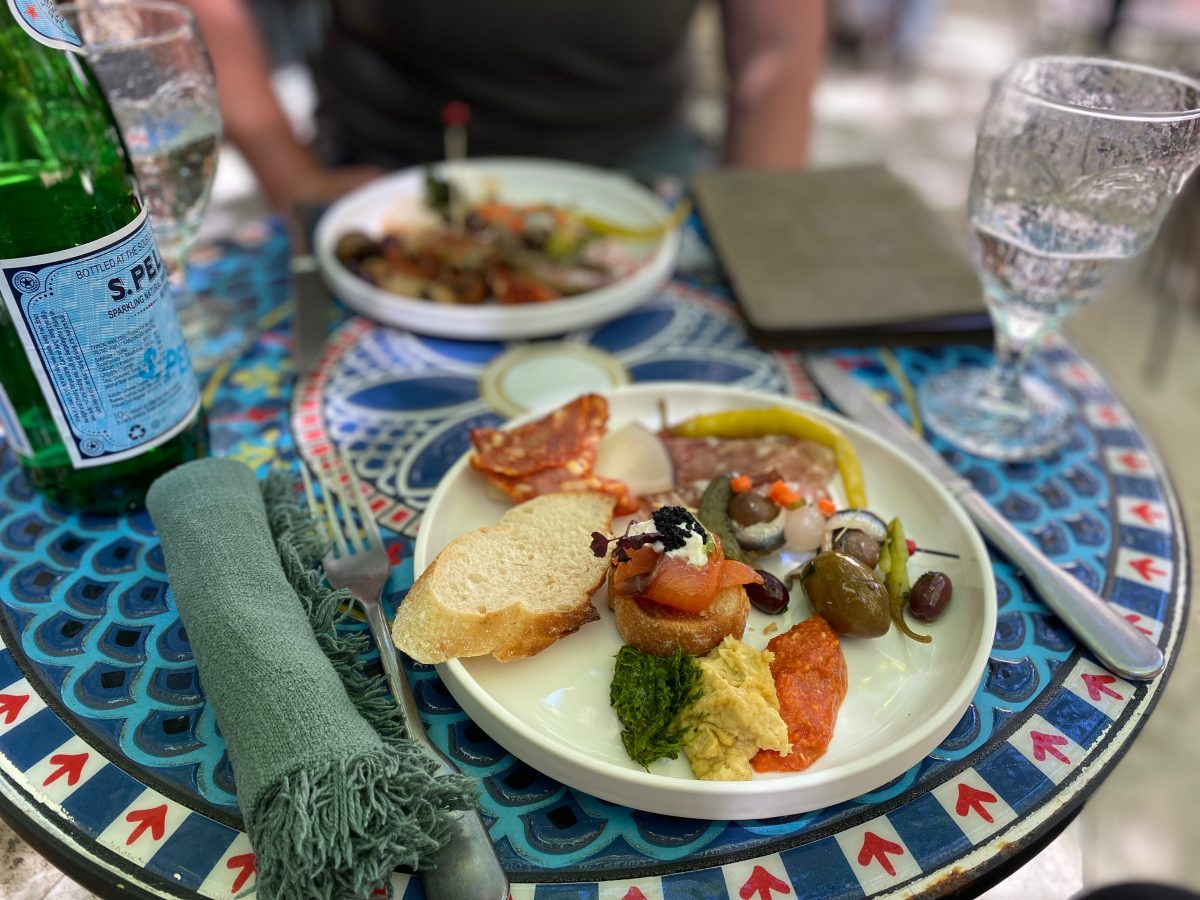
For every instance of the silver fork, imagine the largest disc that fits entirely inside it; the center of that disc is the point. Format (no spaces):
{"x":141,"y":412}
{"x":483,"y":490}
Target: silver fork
{"x":466,"y":868}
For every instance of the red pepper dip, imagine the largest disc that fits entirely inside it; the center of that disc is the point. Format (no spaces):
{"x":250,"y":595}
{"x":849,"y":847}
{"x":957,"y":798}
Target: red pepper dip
{"x":810,"y":678}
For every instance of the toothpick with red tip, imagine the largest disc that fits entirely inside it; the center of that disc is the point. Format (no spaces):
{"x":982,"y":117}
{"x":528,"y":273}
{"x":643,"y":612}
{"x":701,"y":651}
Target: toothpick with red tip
{"x":456,"y":115}
{"x":913,"y":548}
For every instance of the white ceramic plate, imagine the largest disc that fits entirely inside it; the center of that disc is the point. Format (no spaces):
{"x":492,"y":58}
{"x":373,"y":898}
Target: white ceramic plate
{"x":904,"y":698}
{"x":399,"y":197}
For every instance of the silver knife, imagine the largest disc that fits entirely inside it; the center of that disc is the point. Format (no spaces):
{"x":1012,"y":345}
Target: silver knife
{"x":311,"y":299}
{"x":1118,"y":645}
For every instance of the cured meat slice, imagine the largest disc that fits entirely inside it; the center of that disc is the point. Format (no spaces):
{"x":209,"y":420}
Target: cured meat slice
{"x":806,"y":465}
{"x":555,"y":453}
{"x":567,"y":437}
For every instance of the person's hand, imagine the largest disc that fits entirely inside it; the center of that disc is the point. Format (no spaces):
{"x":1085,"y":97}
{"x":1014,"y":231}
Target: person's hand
{"x":324,"y":185}
{"x":307,"y":181}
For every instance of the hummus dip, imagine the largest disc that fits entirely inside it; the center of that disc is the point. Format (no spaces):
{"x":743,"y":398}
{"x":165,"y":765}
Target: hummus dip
{"x":737,"y":713}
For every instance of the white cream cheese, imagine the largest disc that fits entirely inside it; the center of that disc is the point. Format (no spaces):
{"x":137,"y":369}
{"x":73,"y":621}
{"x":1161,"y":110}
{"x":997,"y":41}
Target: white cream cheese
{"x":693,"y":549}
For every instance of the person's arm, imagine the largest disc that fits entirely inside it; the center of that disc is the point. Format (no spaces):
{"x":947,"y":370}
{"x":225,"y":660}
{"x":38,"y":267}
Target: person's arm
{"x":773,"y":53}
{"x":254,"y":122}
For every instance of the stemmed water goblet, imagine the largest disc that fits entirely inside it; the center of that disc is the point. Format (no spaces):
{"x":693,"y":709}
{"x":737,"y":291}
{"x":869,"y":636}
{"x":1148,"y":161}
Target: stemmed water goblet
{"x":151,"y":62}
{"x":1077,"y":162}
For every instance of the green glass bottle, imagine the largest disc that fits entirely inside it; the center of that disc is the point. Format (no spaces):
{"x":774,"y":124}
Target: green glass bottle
{"x":97,"y":396}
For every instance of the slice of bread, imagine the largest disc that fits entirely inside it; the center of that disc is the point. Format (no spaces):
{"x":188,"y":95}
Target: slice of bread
{"x":656,"y":629}
{"x":510,"y":589}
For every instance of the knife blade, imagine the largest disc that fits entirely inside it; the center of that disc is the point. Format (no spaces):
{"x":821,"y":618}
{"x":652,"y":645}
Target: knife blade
{"x":311,"y":298}
{"x":1114,"y":641}
{"x":310,"y":313}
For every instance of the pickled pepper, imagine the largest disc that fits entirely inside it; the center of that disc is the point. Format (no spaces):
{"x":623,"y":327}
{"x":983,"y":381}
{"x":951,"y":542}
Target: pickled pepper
{"x":896,"y":578}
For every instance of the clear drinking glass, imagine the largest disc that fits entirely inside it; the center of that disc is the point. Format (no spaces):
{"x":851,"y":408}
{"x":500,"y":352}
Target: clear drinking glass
{"x":1076,"y":164}
{"x":152,"y":63}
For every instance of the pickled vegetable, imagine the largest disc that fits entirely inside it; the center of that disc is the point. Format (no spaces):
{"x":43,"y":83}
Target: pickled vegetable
{"x":862,"y":547}
{"x":854,"y":520}
{"x":752,"y":423}
{"x":846,"y":594}
{"x":714,"y":515}
{"x":804,"y":529}
{"x":757,"y":523}
{"x":897,"y":579}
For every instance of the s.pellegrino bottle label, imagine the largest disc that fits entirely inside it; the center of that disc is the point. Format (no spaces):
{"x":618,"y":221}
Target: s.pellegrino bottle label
{"x":45,"y":23}
{"x":100,"y":330}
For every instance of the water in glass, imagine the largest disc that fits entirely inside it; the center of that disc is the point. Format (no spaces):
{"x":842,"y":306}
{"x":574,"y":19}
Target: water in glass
{"x":1076,"y":163}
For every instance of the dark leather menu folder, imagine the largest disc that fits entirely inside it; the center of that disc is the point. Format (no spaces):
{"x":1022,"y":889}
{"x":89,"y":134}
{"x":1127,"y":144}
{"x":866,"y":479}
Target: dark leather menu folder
{"x":839,"y":257}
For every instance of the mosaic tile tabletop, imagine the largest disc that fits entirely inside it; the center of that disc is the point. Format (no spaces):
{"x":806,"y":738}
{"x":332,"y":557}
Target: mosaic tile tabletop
{"x":110,"y":755}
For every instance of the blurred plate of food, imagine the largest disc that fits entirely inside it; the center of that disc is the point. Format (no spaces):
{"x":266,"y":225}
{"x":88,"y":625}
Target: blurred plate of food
{"x":497,"y":249}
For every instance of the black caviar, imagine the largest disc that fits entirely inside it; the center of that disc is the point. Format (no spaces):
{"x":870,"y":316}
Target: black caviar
{"x":675,"y":524}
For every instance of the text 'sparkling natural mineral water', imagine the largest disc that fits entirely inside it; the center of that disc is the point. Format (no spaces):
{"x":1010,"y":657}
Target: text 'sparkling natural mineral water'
{"x":97,"y":395}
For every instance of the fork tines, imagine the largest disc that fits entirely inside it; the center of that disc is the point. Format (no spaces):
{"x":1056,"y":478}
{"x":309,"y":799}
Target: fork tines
{"x":349,"y":536}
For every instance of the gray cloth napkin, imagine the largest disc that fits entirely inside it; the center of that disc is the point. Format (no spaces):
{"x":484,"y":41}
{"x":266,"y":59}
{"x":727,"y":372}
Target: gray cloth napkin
{"x":334,"y":798}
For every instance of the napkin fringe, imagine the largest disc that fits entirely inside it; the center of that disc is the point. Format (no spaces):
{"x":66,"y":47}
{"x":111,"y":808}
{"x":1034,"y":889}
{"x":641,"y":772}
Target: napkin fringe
{"x":337,"y":830}
{"x":301,"y":548}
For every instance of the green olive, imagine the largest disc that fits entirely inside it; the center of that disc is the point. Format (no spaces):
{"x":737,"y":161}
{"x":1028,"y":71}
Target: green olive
{"x":846,"y":594}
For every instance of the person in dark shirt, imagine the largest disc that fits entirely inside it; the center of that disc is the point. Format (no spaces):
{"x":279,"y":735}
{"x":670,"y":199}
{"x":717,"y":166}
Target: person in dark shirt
{"x":595,"y":81}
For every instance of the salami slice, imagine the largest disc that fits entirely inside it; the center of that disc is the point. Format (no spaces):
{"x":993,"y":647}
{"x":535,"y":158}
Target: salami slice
{"x":553,"y":454}
{"x":567,"y":437}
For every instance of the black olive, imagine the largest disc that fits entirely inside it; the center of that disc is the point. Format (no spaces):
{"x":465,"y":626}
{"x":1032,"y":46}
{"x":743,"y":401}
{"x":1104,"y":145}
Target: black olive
{"x":771,"y":596}
{"x":862,"y":547}
{"x":354,"y":246}
{"x":750,"y":508}
{"x":930,"y":596}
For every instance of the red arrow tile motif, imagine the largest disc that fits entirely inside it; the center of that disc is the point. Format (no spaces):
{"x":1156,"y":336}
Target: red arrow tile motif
{"x":1133,"y":619}
{"x":762,"y":883}
{"x":1146,"y":512}
{"x":1079,"y":374}
{"x":876,"y":847}
{"x":11,"y":706}
{"x":970,"y":798}
{"x":1145,"y":567}
{"x":248,"y":863}
{"x":69,"y":764}
{"x":1099,"y":684}
{"x":634,"y":893}
{"x":1131,"y":461}
{"x":154,"y":819}
{"x":1048,"y":744}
